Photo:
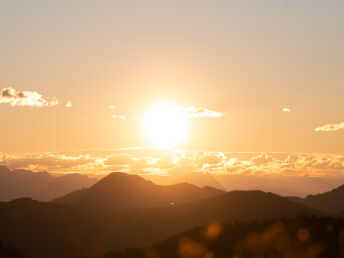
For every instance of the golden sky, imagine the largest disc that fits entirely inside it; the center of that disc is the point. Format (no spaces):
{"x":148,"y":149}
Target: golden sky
{"x":235,"y":76}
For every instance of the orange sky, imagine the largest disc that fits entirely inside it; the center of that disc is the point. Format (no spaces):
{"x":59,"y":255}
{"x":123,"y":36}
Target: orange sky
{"x":267,"y":76}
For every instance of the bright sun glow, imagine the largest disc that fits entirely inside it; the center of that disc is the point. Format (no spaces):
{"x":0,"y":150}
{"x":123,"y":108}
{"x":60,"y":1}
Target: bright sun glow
{"x":166,"y":125}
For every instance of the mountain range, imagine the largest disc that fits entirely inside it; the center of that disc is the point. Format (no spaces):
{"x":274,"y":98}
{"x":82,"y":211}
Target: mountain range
{"x":119,"y":192}
{"x":331,"y":201}
{"x":51,"y":229}
{"x":39,"y":185}
{"x":201,"y":179}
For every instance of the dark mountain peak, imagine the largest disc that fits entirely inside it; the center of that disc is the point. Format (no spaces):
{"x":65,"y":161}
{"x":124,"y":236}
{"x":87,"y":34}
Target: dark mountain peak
{"x":331,"y":201}
{"x":338,"y":190}
{"x":251,"y":195}
{"x":341,"y":188}
{"x":122,"y":176}
{"x":119,"y":179}
{"x":119,"y":191}
{"x":23,"y":200}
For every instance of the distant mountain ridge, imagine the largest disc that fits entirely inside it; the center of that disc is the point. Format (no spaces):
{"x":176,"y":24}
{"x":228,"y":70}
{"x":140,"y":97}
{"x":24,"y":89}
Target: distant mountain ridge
{"x":119,"y":191}
{"x":331,"y":201}
{"x":202,"y":179}
{"x":39,"y":185}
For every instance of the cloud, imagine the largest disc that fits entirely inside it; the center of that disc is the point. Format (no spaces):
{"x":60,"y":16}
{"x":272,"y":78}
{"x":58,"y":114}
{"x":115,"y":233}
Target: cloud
{"x":174,"y":163}
{"x":115,"y":116}
{"x":47,"y":161}
{"x":25,"y":98}
{"x":286,"y":110}
{"x":287,"y":173}
{"x":262,"y":158}
{"x":212,"y":158}
{"x":119,"y":117}
{"x":69,"y":104}
{"x":329,"y":127}
{"x":202,"y":112}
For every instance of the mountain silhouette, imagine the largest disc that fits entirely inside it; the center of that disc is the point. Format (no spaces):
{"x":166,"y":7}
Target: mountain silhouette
{"x":119,"y":191}
{"x":38,"y":185}
{"x":48,"y":229}
{"x":331,"y":202}
{"x":283,"y":185}
{"x":201,"y":180}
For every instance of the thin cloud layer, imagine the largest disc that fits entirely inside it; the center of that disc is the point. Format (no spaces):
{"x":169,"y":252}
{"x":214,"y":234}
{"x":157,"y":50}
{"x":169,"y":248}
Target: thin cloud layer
{"x":203,"y":112}
{"x":25,"y":98}
{"x":176,"y":163}
{"x":330,"y":127}
{"x":51,"y":162}
{"x":276,"y":172}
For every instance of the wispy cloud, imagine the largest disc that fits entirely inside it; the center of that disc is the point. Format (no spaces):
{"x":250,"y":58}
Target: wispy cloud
{"x":119,"y":117}
{"x":69,"y":104}
{"x":286,"y":110}
{"x":116,"y":116}
{"x":202,"y":112}
{"x":25,"y":98}
{"x":330,"y":127}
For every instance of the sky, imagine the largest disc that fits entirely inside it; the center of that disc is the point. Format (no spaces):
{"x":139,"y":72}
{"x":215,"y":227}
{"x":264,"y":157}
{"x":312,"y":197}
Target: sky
{"x":249,"y":76}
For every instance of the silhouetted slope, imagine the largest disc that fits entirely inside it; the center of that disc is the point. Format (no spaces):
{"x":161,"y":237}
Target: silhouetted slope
{"x":201,"y":180}
{"x":71,"y":197}
{"x":54,"y":230}
{"x":332,"y":201}
{"x":119,"y":192}
{"x":40,"y":229}
{"x":231,"y":206}
{"x":38,"y":185}
{"x":8,"y":252}
{"x":301,"y":237}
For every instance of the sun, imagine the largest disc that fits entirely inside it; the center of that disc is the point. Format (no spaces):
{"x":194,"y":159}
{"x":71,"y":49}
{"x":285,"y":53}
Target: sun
{"x":165,"y":125}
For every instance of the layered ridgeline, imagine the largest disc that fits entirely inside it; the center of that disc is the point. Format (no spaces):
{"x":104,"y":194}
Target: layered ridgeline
{"x":39,"y":185}
{"x":201,"y":179}
{"x":331,"y":202}
{"x":119,"y":192}
{"x":39,"y":229}
{"x":301,"y":237}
